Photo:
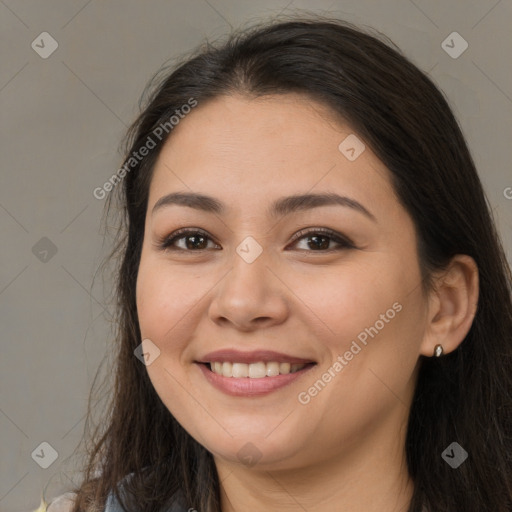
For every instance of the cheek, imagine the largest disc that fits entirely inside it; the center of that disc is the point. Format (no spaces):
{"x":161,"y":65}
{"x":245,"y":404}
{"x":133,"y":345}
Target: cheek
{"x":347,"y":302}
{"x":165,"y":309}
{"x":162,"y":300}
{"x":374,"y":315}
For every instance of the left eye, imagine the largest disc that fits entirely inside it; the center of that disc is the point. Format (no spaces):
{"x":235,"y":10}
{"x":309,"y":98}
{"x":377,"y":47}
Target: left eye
{"x":322,"y":238}
{"x":197,"y":240}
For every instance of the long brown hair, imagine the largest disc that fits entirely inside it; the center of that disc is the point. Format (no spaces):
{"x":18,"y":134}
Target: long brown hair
{"x":465,"y":396}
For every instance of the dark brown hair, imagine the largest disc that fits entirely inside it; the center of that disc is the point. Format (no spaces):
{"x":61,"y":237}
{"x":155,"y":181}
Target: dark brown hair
{"x":399,"y":113}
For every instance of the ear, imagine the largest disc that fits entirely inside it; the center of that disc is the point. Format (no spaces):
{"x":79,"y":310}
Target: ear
{"x":452,"y":305}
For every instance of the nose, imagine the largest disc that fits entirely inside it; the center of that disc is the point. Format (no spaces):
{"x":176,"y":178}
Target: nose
{"x":249,"y":296}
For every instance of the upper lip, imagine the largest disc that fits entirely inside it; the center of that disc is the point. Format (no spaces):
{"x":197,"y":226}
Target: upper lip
{"x":255,"y":356}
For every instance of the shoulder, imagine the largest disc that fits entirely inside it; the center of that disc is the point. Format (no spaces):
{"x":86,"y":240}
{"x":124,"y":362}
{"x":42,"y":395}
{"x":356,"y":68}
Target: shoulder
{"x":65,"y":503}
{"x":62,"y":503}
{"x":177,"y":504}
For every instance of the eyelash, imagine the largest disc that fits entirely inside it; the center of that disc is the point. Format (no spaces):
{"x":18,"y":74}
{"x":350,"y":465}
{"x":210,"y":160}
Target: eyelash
{"x":166,"y":243}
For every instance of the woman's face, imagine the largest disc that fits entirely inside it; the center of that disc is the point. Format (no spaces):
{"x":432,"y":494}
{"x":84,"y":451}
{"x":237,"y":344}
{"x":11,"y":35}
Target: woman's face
{"x":243,"y":283}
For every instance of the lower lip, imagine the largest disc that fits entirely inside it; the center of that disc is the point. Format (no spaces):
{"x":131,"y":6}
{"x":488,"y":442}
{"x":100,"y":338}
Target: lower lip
{"x":245,"y":386}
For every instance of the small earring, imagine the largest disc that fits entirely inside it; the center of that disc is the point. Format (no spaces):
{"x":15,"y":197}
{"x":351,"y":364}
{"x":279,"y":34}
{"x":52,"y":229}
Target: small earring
{"x":438,"y":351}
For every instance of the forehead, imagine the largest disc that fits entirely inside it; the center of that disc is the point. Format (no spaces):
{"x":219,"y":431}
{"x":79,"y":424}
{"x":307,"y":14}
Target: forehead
{"x":249,"y":150}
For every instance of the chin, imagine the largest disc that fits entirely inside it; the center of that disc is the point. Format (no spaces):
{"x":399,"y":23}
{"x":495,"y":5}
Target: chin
{"x":255,"y":451}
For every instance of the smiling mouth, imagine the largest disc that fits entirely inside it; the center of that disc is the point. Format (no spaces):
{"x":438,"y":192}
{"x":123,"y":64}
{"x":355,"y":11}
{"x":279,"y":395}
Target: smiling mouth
{"x":256,"y":370}
{"x":257,"y":385}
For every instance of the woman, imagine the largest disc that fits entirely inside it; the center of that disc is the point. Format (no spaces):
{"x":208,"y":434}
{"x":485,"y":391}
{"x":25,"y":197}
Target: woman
{"x":314,"y":304}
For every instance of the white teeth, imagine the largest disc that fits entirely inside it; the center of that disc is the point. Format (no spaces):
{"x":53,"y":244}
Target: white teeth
{"x":254,"y":370}
{"x":257,"y":370}
{"x":272,"y":369}
{"x":239,"y":370}
{"x":227,"y":369}
{"x":284,"y":368}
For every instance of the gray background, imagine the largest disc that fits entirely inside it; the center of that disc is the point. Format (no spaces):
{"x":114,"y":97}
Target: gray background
{"x":62,"y":119}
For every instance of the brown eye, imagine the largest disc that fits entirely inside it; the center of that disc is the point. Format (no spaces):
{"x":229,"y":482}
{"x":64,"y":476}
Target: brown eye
{"x":319,"y":240}
{"x":194,"y":240}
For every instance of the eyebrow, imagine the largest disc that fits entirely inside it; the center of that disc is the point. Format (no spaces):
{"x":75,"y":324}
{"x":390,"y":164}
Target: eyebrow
{"x":279,"y":208}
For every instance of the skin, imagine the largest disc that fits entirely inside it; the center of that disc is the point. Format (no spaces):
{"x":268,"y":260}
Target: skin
{"x":344,"y":449}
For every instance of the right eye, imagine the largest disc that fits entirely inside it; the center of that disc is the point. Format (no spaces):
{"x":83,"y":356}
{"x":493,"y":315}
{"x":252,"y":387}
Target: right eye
{"x":195,"y":240}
